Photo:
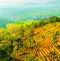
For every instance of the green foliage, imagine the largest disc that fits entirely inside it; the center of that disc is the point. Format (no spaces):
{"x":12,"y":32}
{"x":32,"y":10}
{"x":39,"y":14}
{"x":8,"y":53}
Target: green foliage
{"x":31,"y":59}
{"x":57,"y":32}
{"x":5,"y":52}
{"x":35,"y":24}
{"x":58,"y":56}
{"x":54,"y":39}
{"x":7,"y":35}
{"x":43,"y":22}
{"x":54,"y":19}
{"x":42,"y":59}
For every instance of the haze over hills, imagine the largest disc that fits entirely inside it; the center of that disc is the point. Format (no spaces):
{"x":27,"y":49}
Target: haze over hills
{"x":29,"y":7}
{"x":24,"y":12}
{"x":11,"y":15}
{"x":13,"y":10}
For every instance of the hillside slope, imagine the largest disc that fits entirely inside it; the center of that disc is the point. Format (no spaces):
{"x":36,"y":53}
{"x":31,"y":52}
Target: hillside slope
{"x":26,"y":42}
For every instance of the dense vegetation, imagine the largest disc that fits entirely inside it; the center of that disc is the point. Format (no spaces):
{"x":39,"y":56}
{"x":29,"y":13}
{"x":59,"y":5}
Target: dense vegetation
{"x":33,"y":41}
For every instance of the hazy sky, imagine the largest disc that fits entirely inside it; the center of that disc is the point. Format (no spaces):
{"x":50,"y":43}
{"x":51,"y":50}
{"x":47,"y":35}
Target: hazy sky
{"x":6,"y":3}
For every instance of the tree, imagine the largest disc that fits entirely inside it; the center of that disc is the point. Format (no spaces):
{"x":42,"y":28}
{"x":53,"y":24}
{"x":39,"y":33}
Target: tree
{"x":54,"y":19}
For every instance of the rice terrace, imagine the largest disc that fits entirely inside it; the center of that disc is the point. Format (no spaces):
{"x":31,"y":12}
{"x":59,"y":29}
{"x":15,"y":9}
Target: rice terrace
{"x":33,"y":41}
{"x":29,"y":30}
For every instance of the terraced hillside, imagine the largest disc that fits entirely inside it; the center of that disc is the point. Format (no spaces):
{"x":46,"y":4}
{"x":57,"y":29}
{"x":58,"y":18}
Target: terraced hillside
{"x":30,"y":42}
{"x":46,"y":47}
